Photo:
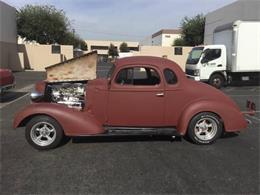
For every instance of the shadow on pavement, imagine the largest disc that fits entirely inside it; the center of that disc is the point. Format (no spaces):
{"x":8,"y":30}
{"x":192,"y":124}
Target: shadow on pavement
{"x":129,"y":138}
{"x":229,"y":135}
{"x":244,"y":84}
{"x":10,"y":96}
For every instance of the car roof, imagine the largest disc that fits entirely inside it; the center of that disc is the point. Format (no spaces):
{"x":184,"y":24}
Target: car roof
{"x":141,"y":59}
{"x":161,"y":63}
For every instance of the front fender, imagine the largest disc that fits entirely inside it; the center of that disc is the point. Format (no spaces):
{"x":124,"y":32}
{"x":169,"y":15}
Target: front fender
{"x":231,"y":117}
{"x":73,"y":121}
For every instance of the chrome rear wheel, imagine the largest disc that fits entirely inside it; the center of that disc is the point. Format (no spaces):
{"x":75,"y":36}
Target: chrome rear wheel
{"x":205,"y":128}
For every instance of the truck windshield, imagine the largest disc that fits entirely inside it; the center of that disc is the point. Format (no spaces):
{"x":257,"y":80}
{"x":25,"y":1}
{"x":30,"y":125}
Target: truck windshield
{"x":195,"y":55}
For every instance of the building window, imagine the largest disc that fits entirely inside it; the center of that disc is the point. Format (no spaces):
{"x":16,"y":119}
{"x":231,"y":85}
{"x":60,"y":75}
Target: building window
{"x":178,"y":51}
{"x":55,"y":49}
{"x":94,"y":47}
{"x":167,"y":36}
{"x":133,"y":48}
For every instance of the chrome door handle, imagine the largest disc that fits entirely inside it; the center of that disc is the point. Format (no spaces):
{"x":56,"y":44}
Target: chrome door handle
{"x":160,"y":94}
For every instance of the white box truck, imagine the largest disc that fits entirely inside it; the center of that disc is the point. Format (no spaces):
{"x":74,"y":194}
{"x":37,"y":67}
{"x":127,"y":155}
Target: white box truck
{"x":234,"y":55}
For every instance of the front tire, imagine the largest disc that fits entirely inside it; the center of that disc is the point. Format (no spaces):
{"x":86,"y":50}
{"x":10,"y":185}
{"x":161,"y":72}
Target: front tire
{"x":205,"y":128}
{"x":217,"y":81}
{"x":43,"y":132}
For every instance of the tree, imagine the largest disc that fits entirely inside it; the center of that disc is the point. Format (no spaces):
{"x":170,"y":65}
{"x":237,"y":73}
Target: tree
{"x":46,"y":25}
{"x":71,"y":39}
{"x":124,"y":47}
{"x":193,"y":30}
{"x":112,"y":51}
{"x":179,"y":42}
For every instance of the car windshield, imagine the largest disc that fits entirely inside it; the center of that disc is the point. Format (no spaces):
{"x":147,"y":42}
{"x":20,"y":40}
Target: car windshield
{"x":195,"y":55}
{"x":111,"y":70}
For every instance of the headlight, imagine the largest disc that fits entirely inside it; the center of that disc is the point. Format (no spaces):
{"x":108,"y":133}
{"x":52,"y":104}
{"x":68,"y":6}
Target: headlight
{"x":197,"y":72}
{"x":36,"y":96}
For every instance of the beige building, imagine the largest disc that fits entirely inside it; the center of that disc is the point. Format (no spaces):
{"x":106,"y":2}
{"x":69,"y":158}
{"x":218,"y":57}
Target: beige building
{"x":245,"y":10}
{"x":8,"y":38}
{"x":165,"y":37}
{"x":102,"y":46}
{"x":36,"y":56}
{"x":18,"y":57}
{"x":176,"y":54}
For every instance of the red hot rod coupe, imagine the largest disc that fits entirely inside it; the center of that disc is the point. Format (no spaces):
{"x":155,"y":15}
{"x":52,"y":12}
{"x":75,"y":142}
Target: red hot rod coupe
{"x":140,"y":96}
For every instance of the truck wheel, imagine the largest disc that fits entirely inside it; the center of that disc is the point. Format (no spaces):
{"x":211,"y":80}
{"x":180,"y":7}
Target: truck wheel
{"x":217,"y":80}
{"x":205,"y":128}
{"x":43,"y":133}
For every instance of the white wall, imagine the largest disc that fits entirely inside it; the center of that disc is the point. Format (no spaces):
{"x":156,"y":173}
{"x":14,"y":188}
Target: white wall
{"x":245,"y":10}
{"x":165,"y":40}
{"x":168,"y":39}
{"x":8,"y":42}
{"x":8,"y":31}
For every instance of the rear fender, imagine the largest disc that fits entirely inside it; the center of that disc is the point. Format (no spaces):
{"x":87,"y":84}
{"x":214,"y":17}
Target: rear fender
{"x":73,"y":121}
{"x":231,"y":117}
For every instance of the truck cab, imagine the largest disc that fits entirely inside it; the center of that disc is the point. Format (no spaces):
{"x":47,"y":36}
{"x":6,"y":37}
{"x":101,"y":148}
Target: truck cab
{"x":207,"y":64}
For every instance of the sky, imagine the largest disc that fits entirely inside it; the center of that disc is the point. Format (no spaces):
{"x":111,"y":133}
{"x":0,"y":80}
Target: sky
{"x":128,"y":20}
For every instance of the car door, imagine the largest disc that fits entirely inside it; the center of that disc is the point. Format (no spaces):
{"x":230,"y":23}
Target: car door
{"x":211,"y":62}
{"x":136,"y":97}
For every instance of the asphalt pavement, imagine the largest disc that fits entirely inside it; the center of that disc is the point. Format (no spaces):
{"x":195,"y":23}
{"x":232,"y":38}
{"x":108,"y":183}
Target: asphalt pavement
{"x":128,"y":165}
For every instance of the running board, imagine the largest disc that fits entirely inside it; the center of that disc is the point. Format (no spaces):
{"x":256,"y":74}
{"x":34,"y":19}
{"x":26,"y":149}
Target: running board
{"x":113,"y":131}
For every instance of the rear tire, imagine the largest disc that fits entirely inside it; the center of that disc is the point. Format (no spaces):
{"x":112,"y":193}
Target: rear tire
{"x":217,"y":81}
{"x":205,"y":128}
{"x":43,"y":132}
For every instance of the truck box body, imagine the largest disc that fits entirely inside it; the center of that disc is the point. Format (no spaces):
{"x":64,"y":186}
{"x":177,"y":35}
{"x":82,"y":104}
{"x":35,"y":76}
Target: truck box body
{"x":242,"y":41}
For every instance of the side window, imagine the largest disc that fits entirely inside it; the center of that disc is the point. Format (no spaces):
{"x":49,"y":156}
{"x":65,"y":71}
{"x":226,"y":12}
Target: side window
{"x":170,"y":76}
{"x":125,"y":76}
{"x":138,"y":76}
{"x":212,"y":54}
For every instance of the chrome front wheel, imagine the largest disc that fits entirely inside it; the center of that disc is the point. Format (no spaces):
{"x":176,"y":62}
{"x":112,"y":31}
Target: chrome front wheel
{"x":43,"y":132}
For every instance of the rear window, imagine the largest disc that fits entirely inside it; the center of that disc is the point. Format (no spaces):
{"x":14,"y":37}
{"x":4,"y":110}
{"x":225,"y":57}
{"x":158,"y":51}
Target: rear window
{"x":170,"y":76}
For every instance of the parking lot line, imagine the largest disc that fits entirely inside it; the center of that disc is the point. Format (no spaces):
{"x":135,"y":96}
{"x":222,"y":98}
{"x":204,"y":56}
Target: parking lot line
{"x":258,"y":111}
{"x":24,"y":89}
{"x":229,"y":89}
{"x":237,"y":95}
{"x":253,"y":117}
{"x":8,"y":103}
